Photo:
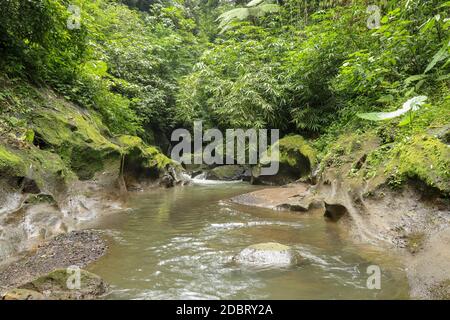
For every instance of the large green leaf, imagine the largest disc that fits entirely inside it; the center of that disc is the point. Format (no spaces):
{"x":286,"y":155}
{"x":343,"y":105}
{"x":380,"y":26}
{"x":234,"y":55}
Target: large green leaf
{"x":255,"y":8}
{"x":254,"y":3}
{"x":412,"y":104}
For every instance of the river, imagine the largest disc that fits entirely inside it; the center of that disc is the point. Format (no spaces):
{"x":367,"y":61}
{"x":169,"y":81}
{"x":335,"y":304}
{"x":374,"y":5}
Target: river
{"x":178,"y":244}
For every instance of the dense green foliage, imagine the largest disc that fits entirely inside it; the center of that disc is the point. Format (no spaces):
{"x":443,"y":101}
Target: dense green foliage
{"x":303,"y":72}
{"x":305,"y":67}
{"x":119,"y":61}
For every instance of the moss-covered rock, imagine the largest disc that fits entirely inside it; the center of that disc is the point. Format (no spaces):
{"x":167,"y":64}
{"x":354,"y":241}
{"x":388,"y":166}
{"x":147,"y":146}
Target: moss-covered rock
{"x":10,"y":163}
{"x":45,"y":170}
{"x":22,"y":294}
{"x":59,"y":143}
{"x":61,"y":285}
{"x":422,"y":157}
{"x":227,"y":173}
{"x":361,"y":159}
{"x":76,"y":137}
{"x":146,"y":156}
{"x":297,"y":158}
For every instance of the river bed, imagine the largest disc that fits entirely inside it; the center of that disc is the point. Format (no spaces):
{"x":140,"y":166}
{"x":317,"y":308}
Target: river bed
{"x":178,"y":244}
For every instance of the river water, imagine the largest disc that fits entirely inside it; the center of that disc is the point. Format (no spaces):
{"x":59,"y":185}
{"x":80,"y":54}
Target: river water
{"x":178,"y":243}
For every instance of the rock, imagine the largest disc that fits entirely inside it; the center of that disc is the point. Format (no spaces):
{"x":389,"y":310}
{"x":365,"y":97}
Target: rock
{"x":227,"y":173}
{"x":334,"y":212}
{"x":57,"y":285}
{"x":74,"y":248}
{"x":441,"y":291}
{"x":442,"y":133}
{"x":167,"y":181}
{"x":292,"y":207}
{"x":22,"y":294}
{"x":294,"y":197}
{"x":268,"y":254}
{"x":297,"y":158}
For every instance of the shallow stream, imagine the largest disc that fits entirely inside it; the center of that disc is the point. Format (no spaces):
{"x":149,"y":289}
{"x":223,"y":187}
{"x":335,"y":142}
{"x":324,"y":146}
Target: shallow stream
{"x":178,"y":244}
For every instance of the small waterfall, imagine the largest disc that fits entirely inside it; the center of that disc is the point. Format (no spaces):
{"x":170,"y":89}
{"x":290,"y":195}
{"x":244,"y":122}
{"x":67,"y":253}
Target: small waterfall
{"x":201,"y":176}
{"x":202,"y":179}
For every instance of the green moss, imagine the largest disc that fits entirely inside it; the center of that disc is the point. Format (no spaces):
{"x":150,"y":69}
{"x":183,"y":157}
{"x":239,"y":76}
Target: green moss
{"x":349,"y":150}
{"x":270,"y":246}
{"x":47,"y":169}
{"x":422,"y":157}
{"x":76,"y":137}
{"x":156,"y":158}
{"x":227,"y":172}
{"x":150,"y":157}
{"x":56,"y":283}
{"x":128,"y":141}
{"x":293,"y":146}
{"x":10,"y":163}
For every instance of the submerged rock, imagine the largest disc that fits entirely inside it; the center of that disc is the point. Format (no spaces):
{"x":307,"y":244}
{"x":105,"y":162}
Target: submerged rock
{"x":268,"y":254}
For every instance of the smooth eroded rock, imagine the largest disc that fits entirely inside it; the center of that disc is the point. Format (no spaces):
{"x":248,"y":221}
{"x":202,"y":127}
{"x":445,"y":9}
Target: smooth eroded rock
{"x":268,"y":254}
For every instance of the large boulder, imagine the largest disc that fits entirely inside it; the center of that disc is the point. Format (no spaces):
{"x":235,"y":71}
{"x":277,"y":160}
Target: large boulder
{"x":227,"y":173}
{"x":57,"y":286}
{"x":297,"y":159}
{"x":268,"y":254}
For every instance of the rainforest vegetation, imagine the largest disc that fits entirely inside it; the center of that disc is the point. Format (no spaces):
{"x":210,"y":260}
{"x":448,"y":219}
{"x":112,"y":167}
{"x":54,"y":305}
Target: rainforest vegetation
{"x":305,"y":67}
{"x":91,"y":91}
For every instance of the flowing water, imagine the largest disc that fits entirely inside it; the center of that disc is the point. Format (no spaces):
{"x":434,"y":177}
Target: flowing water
{"x":178,"y":244}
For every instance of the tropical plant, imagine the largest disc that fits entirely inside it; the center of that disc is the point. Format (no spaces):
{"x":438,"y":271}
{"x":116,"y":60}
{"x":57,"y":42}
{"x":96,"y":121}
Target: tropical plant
{"x":251,"y":11}
{"x":410,"y":107}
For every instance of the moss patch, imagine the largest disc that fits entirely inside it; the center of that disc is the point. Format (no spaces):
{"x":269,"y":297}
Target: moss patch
{"x":296,"y":157}
{"x":147,"y":156}
{"x":10,"y":163}
{"x":156,"y":158}
{"x":76,"y":137}
{"x":422,"y":157}
{"x":293,"y":146}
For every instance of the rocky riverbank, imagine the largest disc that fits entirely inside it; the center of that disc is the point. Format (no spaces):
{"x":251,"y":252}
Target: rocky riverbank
{"x":63,"y":167}
{"x":419,"y":231}
{"x":76,"y":248}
